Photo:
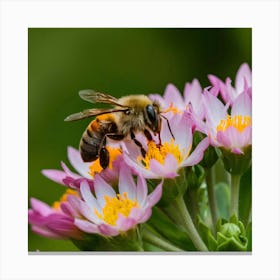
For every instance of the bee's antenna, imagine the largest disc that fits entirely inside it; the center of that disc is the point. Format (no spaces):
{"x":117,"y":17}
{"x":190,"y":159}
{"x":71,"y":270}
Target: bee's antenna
{"x":168,"y":124}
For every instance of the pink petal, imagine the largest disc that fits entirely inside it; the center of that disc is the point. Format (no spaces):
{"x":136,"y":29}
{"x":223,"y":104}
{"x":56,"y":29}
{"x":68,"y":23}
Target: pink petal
{"x":40,"y":207}
{"x":77,"y":162}
{"x":88,"y":213}
{"x":136,"y":213}
{"x":193,"y":93}
{"x":125,"y":223}
{"x":55,"y":175}
{"x":74,"y":201}
{"x":88,"y":196}
{"x":165,"y":133}
{"x":237,"y":151}
{"x":168,"y":170}
{"x":108,"y":230}
{"x":183,"y":132}
{"x":155,"y":195}
{"x":67,"y":209}
{"x":138,"y":168}
{"x":126,"y":182}
{"x":173,"y":96}
{"x":147,"y":214}
{"x":232,"y":138}
{"x":45,"y":232}
{"x":69,"y":172}
{"x":243,"y":75}
{"x":102,"y":189}
{"x":197,"y":155}
{"x":142,"y":190}
{"x":215,"y":110}
{"x":242,"y":105}
{"x":86,"y":226}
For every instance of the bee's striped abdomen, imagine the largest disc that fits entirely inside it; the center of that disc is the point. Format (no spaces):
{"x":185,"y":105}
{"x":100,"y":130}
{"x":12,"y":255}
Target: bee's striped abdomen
{"x":91,"y":141}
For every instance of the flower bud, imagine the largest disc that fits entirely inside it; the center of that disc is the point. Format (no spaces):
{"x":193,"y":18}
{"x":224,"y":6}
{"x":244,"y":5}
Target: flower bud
{"x":237,"y":164}
{"x":231,"y":236}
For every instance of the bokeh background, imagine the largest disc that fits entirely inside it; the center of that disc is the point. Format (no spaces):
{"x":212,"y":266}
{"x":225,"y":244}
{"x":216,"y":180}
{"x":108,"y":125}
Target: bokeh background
{"x":118,"y":61}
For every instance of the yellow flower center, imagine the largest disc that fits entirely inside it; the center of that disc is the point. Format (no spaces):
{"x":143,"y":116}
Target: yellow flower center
{"x":159,"y":153}
{"x":56,"y":204}
{"x":120,"y":204}
{"x":95,"y":167}
{"x":238,"y":121}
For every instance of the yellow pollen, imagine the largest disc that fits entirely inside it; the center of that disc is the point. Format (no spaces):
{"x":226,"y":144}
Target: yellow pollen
{"x":95,"y":167}
{"x":120,"y":204}
{"x":159,"y":153}
{"x":56,"y":204}
{"x":238,"y":121}
{"x":173,"y":109}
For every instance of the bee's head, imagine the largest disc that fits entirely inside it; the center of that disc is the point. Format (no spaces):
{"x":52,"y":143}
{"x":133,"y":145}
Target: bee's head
{"x":152,"y":117}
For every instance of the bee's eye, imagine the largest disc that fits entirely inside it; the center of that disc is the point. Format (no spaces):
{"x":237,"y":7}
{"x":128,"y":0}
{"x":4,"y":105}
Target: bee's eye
{"x":151,"y":113}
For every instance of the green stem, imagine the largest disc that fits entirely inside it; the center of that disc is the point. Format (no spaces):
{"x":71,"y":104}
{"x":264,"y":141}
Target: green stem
{"x":210,"y":181}
{"x":249,"y":217}
{"x":190,"y":199}
{"x":150,"y":237}
{"x":189,"y":226}
{"x":235,"y":182}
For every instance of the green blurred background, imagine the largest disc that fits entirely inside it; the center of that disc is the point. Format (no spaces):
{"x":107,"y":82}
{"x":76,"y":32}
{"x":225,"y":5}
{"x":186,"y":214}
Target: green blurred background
{"x":118,"y":61}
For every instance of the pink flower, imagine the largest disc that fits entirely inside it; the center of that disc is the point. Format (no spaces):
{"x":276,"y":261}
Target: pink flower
{"x":243,"y":82}
{"x":232,"y":131}
{"x":108,"y":213}
{"x":165,"y":160}
{"x":173,"y":101}
{"x":86,"y":170}
{"x":57,"y":221}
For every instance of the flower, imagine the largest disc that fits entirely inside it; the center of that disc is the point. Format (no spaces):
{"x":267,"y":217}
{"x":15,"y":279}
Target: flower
{"x":165,"y":159}
{"x":243,"y":82}
{"x":173,"y":101}
{"x":108,"y":213}
{"x":56,"y":221}
{"x":232,"y":131}
{"x":86,"y":170}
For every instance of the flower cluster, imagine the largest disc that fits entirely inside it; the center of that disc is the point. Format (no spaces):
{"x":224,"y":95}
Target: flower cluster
{"x":151,"y":201}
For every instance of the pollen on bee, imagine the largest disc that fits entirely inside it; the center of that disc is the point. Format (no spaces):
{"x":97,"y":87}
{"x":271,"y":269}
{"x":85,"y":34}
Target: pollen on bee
{"x":96,"y":167}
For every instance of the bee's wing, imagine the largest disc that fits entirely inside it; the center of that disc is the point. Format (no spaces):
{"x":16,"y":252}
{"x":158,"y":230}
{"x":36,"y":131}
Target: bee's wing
{"x":91,"y":113}
{"x":98,"y":97}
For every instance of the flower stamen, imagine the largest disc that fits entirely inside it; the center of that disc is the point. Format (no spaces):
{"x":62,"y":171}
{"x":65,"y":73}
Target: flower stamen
{"x":239,"y":122}
{"x":114,"y":206}
{"x":159,"y":153}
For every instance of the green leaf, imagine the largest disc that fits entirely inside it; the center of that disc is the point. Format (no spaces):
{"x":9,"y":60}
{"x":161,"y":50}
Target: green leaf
{"x":206,"y":235}
{"x":151,"y":248}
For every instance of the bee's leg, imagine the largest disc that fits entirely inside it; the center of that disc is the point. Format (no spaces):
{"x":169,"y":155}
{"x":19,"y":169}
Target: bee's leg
{"x":168,"y":124}
{"x":148,"y":135}
{"x":143,"y":152}
{"x":150,"y":138}
{"x":104,"y":156}
{"x":159,"y":139}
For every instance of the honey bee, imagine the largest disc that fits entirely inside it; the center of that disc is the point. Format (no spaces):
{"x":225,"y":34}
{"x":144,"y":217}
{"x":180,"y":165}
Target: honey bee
{"x":130,"y":114}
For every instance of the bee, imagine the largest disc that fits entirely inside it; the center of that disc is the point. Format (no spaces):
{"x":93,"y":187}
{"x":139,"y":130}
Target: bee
{"x":130,"y":115}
